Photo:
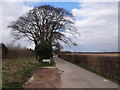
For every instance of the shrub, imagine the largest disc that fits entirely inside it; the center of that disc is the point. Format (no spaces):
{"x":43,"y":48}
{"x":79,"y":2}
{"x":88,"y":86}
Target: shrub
{"x":44,"y":51}
{"x":4,"y":50}
{"x":18,"y":53}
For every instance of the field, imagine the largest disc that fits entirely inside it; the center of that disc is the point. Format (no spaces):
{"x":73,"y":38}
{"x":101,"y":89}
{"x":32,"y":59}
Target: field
{"x":104,"y":64}
{"x":97,"y":54}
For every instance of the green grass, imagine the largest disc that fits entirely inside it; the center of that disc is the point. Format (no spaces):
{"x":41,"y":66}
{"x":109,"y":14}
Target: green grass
{"x":17,"y":71}
{"x":72,"y":61}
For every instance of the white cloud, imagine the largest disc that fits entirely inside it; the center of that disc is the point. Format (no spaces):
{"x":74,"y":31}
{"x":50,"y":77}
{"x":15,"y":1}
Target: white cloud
{"x":59,"y":0}
{"x":96,"y":22}
{"x":10,"y":11}
{"x":20,"y":0}
{"x":98,"y":26}
{"x":100,"y":0}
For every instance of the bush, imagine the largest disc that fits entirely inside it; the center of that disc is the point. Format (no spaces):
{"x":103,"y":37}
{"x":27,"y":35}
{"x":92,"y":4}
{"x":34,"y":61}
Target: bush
{"x":43,"y":51}
{"x":4,"y":50}
{"x":18,"y":53}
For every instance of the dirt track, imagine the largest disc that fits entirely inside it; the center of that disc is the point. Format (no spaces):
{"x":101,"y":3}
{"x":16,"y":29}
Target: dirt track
{"x":45,"y":78}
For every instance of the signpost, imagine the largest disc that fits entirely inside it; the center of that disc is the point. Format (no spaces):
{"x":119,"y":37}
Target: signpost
{"x":46,"y":60}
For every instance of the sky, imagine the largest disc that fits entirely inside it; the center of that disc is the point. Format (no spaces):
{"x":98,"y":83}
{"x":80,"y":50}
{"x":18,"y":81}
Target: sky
{"x":96,"y":22}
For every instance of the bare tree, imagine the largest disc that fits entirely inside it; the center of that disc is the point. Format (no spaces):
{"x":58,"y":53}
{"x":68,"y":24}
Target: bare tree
{"x":44,"y":24}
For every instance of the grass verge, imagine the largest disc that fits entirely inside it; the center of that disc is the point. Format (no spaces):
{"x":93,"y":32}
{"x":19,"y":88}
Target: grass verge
{"x":16,"y":72}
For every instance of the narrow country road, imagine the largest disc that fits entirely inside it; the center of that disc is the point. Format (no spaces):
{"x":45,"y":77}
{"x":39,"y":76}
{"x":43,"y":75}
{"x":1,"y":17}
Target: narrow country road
{"x":76,"y":77}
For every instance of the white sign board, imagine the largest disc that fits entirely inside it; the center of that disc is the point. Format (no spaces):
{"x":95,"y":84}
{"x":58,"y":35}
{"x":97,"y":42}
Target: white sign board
{"x":46,"y":60}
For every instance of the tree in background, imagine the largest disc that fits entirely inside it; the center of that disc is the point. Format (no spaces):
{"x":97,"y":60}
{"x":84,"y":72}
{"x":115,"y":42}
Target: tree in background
{"x":4,"y":50}
{"x":57,"y":48}
{"x":44,"y":24}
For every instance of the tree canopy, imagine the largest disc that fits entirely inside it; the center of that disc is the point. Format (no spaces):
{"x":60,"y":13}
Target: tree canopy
{"x":44,"y":24}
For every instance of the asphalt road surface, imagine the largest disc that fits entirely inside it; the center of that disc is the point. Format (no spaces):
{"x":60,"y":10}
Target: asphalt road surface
{"x":76,"y":77}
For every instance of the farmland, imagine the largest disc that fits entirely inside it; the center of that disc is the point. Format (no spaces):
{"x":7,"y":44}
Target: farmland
{"x":93,"y":54}
{"x":104,"y":64}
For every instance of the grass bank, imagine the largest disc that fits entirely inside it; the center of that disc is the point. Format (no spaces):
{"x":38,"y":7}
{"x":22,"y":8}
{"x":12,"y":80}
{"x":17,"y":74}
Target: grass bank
{"x":16,"y":72}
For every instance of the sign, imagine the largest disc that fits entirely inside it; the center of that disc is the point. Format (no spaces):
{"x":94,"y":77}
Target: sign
{"x":46,"y":60}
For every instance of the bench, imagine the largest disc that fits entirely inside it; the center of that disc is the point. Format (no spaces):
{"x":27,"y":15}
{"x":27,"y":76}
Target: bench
{"x":46,"y":60}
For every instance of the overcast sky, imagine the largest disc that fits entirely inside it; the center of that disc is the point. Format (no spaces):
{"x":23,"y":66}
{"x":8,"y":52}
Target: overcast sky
{"x":97,"y":23}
